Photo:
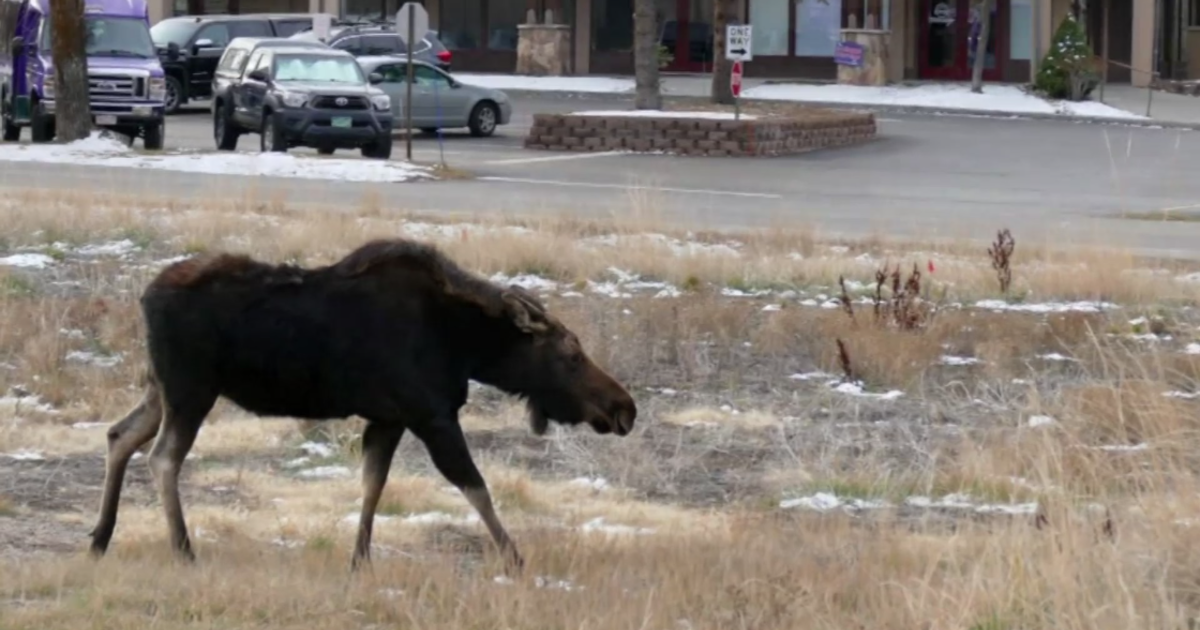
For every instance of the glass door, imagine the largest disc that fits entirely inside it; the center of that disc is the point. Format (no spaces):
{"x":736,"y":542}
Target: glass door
{"x":949,"y":33}
{"x":687,"y":33}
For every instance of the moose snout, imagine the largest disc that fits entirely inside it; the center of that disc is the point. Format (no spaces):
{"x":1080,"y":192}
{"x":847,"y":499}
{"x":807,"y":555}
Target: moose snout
{"x":622,"y":416}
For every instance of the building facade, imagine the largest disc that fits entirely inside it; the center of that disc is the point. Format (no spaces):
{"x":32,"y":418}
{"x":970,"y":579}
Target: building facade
{"x":930,"y":39}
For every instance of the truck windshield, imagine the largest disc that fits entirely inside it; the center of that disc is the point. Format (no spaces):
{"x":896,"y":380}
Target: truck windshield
{"x":318,"y":68}
{"x":176,"y":32}
{"x":110,"y":37}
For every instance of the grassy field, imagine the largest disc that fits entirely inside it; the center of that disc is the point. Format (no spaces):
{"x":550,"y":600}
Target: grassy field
{"x":814,"y":448}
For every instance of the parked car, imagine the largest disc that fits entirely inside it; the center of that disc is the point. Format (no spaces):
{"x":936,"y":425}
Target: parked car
{"x":125,"y":79}
{"x":189,"y":47}
{"x":439,"y":101}
{"x":301,"y":96}
{"x":366,"y":40}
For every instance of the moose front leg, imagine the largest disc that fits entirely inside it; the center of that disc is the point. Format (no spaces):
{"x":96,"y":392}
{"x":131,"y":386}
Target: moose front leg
{"x":379,"y":444}
{"x":125,"y":437}
{"x":447,"y":448}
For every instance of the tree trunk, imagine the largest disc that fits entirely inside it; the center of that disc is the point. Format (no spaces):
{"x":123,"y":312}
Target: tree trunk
{"x":722,"y":92}
{"x":645,"y":55}
{"x":72,"y":112}
{"x":985,"y":27}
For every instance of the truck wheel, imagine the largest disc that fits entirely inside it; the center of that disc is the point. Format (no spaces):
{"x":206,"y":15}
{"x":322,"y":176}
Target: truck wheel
{"x":379,"y":150}
{"x":271,"y":137}
{"x":174,"y":96}
{"x":41,"y":127}
{"x":225,"y":134}
{"x":483,"y":119}
{"x":12,"y":132}
{"x":152,"y":137}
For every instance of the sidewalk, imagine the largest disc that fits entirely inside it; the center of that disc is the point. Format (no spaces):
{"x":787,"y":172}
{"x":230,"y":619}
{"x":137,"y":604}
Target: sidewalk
{"x":1123,"y":103}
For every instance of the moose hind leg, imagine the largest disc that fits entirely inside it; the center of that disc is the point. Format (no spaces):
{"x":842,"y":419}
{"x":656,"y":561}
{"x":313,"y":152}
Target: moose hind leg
{"x":448,"y":449}
{"x":175,"y":438}
{"x":125,"y":437}
{"x":379,"y":444}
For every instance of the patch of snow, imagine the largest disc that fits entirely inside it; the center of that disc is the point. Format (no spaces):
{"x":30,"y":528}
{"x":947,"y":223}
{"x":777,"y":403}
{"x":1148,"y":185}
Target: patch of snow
{"x":825,"y":501}
{"x":391,"y":593}
{"x":73,"y":333}
{"x":1054,"y":356}
{"x":89,"y":425}
{"x":317,"y":449}
{"x":95,"y":151}
{"x":1183,"y":395}
{"x":26,"y":455}
{"x":101,"y":361}
{"x":1042,"y":421}
{"x":658,"y":113}
{"x":526,"y":281}
{"x":296,"y":463}
{"x":116,"y":248}
{"x":355,"y":518}
{"x":503,"y":579}
{"x":770,"y":308}
{"x":597,"y":525}
{"x":326,"y":472}
{"x":953,"y":360}
{"x":551,"y":583}
{"x":16,"y":404}
{"x":1192,"y":348}
{"x":547,"y":84}
{"x":1096,"y":109}
{"x":27,"y":261}
{"x":809,"y":376}
{"x":856,"y":389}
{"x":441,"y":518}
{"x":1191,"y":277}
{"x":959,"y":501}
{"x":1123,"y":448}
{"x":598,"y":483}
{"x":1046,"y":307}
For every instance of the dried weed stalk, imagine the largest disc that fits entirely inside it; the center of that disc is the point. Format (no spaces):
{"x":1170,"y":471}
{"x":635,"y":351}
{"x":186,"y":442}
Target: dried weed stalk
{"x":1001,"y":254}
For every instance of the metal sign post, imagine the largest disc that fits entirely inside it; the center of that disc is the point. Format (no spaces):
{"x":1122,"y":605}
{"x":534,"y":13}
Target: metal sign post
{"x":738,"y":40}
{"x":412,"y":18}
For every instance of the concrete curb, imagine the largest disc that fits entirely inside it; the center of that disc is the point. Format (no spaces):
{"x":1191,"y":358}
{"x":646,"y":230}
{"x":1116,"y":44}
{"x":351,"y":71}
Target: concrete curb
{"x":889,"y":109}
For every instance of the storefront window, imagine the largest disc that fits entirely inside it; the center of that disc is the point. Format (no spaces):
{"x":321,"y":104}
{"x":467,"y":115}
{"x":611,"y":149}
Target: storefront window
{"x":503,"y":18}
{"x":770,"y":20}
{"x":461,"y":24}
{"x":612,"y":25}
{"x":818,"y":27}
{"x":1020,"y":33}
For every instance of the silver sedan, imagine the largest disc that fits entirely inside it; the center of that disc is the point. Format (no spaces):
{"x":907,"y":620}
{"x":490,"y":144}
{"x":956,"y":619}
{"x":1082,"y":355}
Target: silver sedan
{"x":439,"y":101}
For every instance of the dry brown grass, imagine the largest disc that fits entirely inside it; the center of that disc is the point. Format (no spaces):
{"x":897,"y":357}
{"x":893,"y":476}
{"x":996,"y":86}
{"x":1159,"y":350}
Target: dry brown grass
{"x":723,"y":437}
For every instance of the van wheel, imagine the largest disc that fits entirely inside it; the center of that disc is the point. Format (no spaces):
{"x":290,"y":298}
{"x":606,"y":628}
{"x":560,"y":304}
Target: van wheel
{"x":483,"y":119}
{"x":152,"y":137}
{"x":41,"y":127}
{"x":12,"y":133}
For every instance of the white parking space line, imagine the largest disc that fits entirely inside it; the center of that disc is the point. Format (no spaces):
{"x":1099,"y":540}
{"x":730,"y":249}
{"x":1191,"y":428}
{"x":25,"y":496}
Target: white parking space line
{"x":555,"y":158}
{"x":686,"y":191}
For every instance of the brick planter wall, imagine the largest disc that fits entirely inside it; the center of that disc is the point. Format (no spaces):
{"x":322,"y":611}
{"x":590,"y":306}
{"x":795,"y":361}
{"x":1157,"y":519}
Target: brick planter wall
{"x":700,"y":136}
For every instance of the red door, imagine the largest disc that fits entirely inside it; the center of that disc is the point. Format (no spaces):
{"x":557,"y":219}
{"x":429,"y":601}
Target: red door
{"x":948,"y":34}
{"x":688,"y":34}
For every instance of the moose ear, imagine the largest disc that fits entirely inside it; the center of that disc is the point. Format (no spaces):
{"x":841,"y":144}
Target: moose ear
{"x":525,"y":312}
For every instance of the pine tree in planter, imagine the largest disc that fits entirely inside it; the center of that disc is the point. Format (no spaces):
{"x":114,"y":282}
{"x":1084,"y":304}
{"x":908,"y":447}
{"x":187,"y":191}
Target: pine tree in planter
{"x":1068,"y":71}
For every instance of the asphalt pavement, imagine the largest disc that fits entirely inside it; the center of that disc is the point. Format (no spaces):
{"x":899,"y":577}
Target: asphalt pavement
{"x":925,"y":177}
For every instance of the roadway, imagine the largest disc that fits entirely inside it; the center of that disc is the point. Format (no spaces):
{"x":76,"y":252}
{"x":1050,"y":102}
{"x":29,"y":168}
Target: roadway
{"x":926,"y":176}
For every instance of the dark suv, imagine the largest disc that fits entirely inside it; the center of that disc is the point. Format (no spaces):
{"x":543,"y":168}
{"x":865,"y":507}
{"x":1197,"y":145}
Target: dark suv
{"x":372,"y":39}
{"x":301,"y":96}
{"x":189,"y":47}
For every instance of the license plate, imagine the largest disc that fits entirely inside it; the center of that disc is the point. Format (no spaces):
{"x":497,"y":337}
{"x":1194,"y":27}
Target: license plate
{"x":342,"y":121}
{"x":106,"y":120}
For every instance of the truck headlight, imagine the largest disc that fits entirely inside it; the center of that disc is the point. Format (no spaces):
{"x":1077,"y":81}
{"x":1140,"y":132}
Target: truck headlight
{"x":382,"y":102}
{"x":48,"y":86}
{"x":291,"y":99}
{"x":158,"y":89}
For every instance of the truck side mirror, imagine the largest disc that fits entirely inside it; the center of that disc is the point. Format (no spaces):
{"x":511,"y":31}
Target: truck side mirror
{"x":375,"y":78}
{"x":201,"y":43}
{"x":18,"y":45}
{"x":259,"y":74}
{"x":172,"y":51}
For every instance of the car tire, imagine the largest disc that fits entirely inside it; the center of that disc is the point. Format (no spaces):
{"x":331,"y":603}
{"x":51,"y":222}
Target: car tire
{"x":12,"y":132}
{"x":270,"y":138}
{"x":224,"y":132}
{"x":325,"y":151}
{"x":429,"y":130}
{"x":484,"y":119}
{"x":41,"y":127}
{"x":153,"y":137}
{"x":380,"y":150}
{"x":174,"y":96}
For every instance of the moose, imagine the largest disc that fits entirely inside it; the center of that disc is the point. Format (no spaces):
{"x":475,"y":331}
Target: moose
{"x":392,"y":333}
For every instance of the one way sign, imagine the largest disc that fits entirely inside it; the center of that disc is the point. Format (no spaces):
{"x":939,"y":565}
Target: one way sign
{"x":737,"y":42}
